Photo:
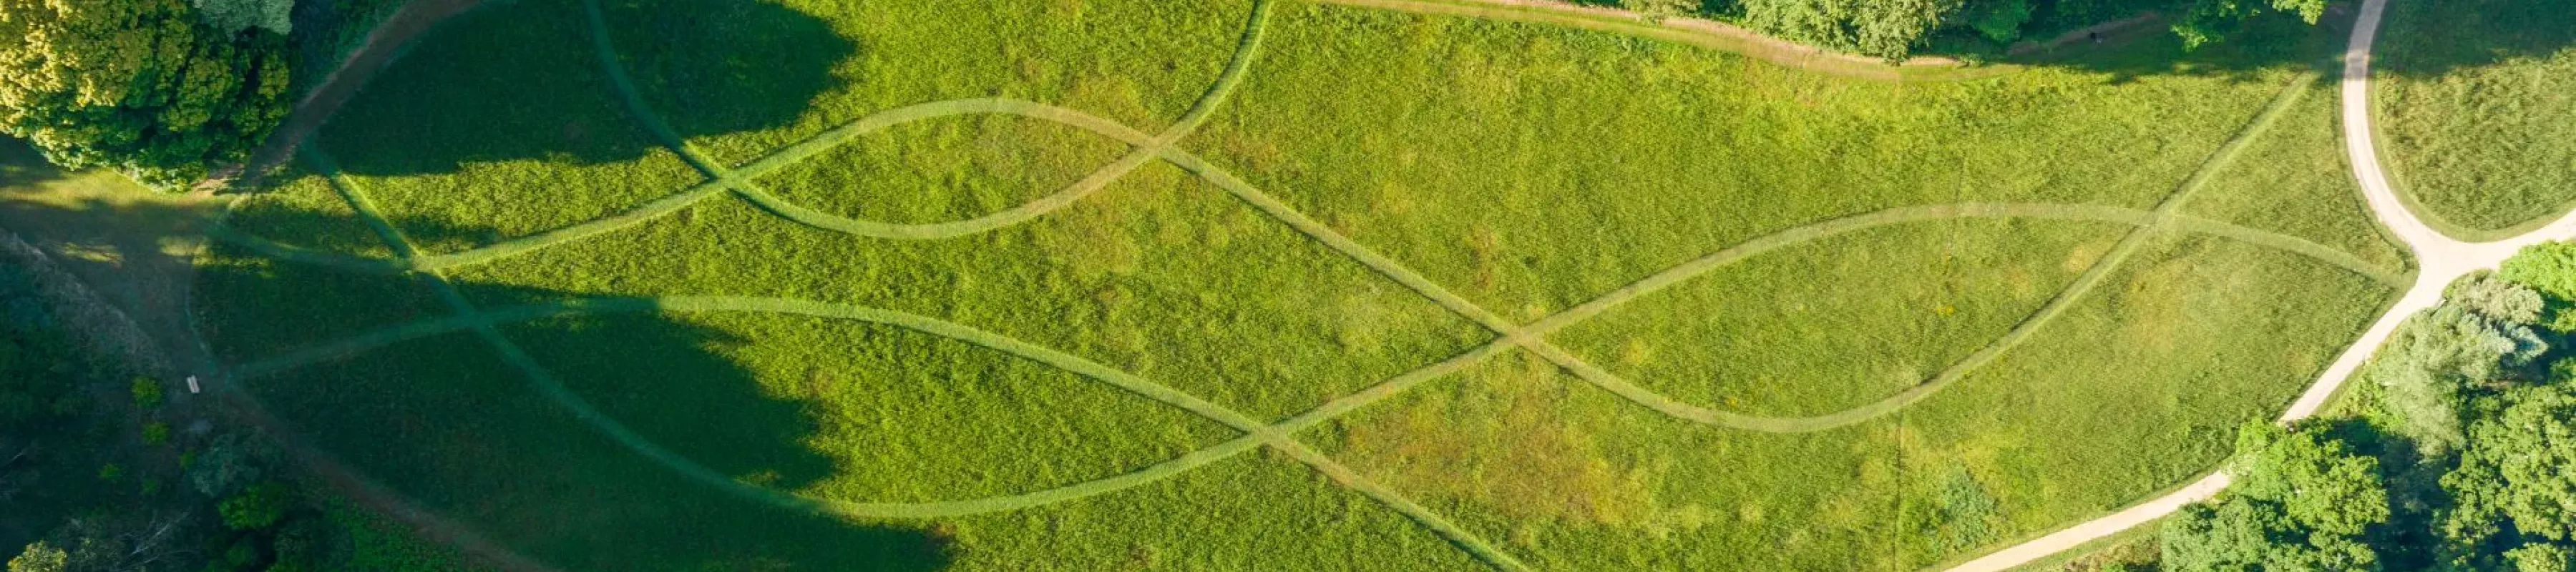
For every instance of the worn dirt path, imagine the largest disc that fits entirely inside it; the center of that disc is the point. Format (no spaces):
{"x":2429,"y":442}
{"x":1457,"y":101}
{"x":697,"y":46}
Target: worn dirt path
{"x":2440,"y":259}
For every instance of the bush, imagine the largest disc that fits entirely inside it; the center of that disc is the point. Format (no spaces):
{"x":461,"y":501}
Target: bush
{"x":257,"y":507}
{"x":40,"y":557}
{"x":147,"y":392}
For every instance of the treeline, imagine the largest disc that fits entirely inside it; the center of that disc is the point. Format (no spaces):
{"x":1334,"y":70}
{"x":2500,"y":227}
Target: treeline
{"x":101,"y":471}
{"x":2456,"y":452}
{"x":1896,"y":29}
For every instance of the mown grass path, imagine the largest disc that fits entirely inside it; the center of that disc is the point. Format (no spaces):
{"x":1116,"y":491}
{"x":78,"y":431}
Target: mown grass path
{"x":737,"y":181}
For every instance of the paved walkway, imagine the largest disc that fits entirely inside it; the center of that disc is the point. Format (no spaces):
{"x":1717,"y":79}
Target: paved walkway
{"x":2440,"y":259}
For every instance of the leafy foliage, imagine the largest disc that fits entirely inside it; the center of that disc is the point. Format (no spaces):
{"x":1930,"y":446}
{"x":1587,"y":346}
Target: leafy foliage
{"x":2211,"y":21}
{"x":2303,"y":501}
{"x":2496,"y":298}
{"x":40,"y":557}
{"x":1998,"y":20}
{"x":2516,"y":473}
{"x":146,"y":392}
{"x":2437,"y":355}
{"x":138,"y":85}
{"x":2550,"y":269}
{"x":1889,"y":29}
{"x":2542,"y":557}
{"x":257,"y":507}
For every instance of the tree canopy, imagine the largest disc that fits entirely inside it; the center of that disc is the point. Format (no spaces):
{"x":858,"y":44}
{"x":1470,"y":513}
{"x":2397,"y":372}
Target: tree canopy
{"x":2514,"y":476}
{"x":2302,"y":501}
{"x":138,"y":85}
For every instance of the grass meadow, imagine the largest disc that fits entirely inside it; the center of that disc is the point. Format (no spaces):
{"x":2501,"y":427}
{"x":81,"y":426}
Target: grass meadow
{"x":689,"y":340}
{"x":2468,"y":96}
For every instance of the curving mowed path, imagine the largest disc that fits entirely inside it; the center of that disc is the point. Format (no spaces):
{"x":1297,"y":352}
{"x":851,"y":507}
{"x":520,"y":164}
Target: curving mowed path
{"x":1280,"y":436}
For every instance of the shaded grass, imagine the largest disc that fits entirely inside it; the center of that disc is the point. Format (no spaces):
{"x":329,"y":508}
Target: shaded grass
{"x":501,"y":121}
{"x":1843,"y":321}
{"x":1159,"y":275}
{"x":443,"y":420}
{"x":2472,"y":98}
{"x":701,"y":65}
{"x":889,"y":415}
{"x":251,"y":307}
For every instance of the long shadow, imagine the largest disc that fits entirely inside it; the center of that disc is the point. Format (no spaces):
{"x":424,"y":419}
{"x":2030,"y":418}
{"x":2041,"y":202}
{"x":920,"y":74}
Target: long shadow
{"x":448,"y":424}
{"x":2424,"y":39}
{"x":2416,"y":38}
{"x":452,"y":423}
{"x":521,"y":80}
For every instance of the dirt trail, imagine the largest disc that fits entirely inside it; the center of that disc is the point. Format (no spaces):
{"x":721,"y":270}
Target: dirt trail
{"x":2440,"y":258}
{"x":383,"y":44}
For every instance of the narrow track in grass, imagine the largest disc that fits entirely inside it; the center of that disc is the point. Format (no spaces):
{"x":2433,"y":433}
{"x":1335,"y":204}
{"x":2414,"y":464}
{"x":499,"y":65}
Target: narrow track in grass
{"x":2441,"y":259}
{"x":738,"y":181}
{"x":1522,"y":337}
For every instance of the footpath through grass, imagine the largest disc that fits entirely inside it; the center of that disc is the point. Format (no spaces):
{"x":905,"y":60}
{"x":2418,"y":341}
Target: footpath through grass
{"x":887,"y":288}
{"x":2472,"y":99}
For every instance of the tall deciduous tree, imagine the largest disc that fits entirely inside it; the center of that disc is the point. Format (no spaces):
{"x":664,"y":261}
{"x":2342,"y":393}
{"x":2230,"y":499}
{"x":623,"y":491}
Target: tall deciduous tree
{"x":2516,"y":473}
{"x":138,"y":85}
{"x":2436,"y":357}
{"x":2302,"y":501}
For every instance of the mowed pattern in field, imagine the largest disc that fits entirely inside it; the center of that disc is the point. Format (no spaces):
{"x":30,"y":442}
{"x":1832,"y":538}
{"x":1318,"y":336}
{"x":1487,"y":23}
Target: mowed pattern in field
{"x":1276,"y":285}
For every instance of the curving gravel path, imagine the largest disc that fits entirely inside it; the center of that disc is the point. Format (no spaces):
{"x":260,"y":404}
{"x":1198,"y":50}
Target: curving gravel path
{"x":2440,"y":259}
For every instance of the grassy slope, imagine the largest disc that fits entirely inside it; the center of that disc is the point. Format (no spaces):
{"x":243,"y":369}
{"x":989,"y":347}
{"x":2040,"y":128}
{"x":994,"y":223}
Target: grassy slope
{"x":1839,"y":322}
{"x":2295,"y":182}
{"x":2472,"y":98}
{"x":1163,"y":276}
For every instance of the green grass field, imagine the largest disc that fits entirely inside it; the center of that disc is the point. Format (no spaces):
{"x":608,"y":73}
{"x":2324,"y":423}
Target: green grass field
{"x":1279,"y":285}
{"x":2470,"y":101}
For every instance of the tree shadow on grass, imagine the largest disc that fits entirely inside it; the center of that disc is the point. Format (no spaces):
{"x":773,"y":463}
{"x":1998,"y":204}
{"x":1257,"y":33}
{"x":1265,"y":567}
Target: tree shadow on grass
{"x":2427,"y":39}
{"x":2415,"y":39}
{"x":448,"y":424}
{"x":523,"y":80}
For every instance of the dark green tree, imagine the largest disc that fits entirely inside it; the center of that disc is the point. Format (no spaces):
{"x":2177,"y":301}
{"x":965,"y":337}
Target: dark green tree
{"x":2436,"y":358}
{"x":137,"y":85}
{"x":2518,"y":473}
{"x":2301,"y":501}
{"x":257,"y":507}
{"x":2211,"y":21}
